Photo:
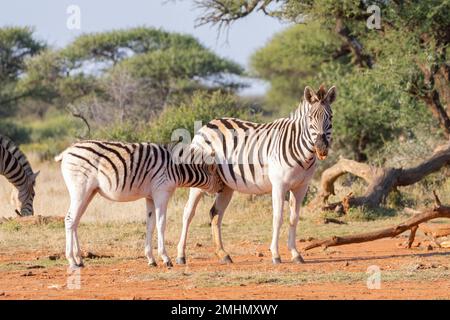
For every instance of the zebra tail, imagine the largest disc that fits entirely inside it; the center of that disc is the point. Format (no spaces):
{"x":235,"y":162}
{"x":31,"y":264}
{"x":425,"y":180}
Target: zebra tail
{"x":59,"y":157}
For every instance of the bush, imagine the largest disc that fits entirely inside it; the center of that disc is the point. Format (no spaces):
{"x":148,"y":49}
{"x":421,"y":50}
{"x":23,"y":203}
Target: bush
{"x":50,"y":136}
{"x":202,"y":107}
{"x":17,"y":133}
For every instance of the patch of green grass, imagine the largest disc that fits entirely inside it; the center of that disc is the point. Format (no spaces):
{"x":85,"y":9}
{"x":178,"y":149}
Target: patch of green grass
{"x":10,"y":226}
{"x":369,"y":214}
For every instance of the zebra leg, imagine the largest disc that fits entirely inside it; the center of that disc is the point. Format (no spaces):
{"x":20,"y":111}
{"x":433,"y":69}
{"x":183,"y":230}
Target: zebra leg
{"x":195,"y":195}
{"x":161,"y":200}
{"x":151,"y":221}
{"x":79,"y":201}
{"x":76,"y":247}
{"x":295,"y":202}
{"x":278,"y":203}
{"x":217,"y":211}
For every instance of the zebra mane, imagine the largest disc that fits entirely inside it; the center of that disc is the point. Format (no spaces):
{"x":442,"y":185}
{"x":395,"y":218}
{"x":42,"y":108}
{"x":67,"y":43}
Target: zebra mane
{"x":300,"y":111}
{"x":14,"y":150}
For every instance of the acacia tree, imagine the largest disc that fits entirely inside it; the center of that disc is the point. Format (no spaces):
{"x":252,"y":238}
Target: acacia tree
{"x":406,"y":56}
{"x":17,"y":44}
{"x":125,"y":74}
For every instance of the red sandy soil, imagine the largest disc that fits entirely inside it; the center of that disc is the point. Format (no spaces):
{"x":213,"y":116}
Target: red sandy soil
{"x":121,"y":280}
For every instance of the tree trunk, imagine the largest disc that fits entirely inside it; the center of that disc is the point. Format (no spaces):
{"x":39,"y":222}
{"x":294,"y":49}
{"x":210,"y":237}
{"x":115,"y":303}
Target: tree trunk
{"x":381,"y":181}
{"x":412,"y":224}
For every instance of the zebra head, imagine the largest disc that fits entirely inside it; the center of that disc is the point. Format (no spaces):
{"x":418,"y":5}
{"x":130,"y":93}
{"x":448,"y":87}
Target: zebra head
{"x":319,"y":118}
{"x":23,"y":197}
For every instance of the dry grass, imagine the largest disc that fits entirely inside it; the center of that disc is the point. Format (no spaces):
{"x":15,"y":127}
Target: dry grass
{"x":118,"y":229}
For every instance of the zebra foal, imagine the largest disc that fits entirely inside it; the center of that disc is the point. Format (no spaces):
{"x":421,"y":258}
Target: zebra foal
{"x":17,"y":170}
{"x":127,"y":172}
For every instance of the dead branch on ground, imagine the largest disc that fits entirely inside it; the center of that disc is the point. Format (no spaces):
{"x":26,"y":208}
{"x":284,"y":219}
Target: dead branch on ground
{"x":439,"y":211}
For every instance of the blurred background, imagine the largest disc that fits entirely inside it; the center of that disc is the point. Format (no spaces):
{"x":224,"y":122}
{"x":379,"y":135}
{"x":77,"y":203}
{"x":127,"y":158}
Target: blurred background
{"x":137,"y":70}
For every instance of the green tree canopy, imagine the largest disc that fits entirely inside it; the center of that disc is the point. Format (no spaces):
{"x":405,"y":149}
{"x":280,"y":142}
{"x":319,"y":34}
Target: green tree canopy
{"x":17,"y":44}
{"x":402,"y":67}
{"x":162,"y":61}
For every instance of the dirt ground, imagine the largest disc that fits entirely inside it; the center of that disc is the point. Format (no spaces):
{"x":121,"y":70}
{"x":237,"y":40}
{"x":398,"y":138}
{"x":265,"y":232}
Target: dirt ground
{"x":415,"y":273}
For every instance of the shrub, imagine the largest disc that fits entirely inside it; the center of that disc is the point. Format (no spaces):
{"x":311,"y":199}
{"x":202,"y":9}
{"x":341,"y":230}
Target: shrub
{"x":202,"y":107}
{"x":18,"y":133}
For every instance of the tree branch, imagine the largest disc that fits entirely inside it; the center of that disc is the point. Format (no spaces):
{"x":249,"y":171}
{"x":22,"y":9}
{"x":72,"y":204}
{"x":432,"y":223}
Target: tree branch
{"x":412,"y":224}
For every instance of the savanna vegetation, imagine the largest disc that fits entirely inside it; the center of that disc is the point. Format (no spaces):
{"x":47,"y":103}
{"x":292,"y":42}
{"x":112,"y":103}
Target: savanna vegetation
{"x":392,"y":75}
{"x":392,"y":110}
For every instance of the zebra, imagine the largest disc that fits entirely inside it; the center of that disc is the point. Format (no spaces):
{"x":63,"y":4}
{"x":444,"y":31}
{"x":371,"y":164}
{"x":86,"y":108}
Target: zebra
{"x":274,"y":157}
{"x":127,"y":172}
{"x":17,"y":170}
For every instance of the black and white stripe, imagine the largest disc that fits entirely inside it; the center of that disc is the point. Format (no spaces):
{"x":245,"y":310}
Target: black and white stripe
{"x":275,"y":157}
{"x":127,"y":172}
{"x":17,"y":170}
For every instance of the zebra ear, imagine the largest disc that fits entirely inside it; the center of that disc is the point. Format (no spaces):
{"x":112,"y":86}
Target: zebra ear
{"x":309,"y":95}
{"x":331,"y":95}
{"x":34,"y":176}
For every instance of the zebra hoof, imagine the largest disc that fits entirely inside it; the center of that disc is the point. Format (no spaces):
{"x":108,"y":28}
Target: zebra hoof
{"x":276,"y":260}
{"x":298,"y":260}
{"x":227,"y":259}
{"x":74,"y":267}
{"x":168,"y":264}
{"x":181,"y":260}
{"x":153,"y":264}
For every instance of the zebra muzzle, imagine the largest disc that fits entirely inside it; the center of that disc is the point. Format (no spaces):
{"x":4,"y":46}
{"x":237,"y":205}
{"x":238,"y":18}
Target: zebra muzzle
{"x":321,"y":155}
{"x":321,"y":148}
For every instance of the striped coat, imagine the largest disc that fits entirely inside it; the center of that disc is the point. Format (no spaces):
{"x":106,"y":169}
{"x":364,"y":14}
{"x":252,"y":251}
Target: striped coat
{"x":127,"y":172}
{"x":276,"y":157}
{"x":17,"y":170}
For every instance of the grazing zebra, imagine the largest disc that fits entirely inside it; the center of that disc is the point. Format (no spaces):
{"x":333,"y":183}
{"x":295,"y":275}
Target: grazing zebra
{"x":16,"y":168}
{"x":275,"y":157}
{"x":127,"y":172}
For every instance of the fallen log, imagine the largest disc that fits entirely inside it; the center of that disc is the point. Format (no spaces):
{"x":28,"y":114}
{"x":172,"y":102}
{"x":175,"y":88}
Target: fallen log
{"x":380,"y":181}
{"x":439,"y":211}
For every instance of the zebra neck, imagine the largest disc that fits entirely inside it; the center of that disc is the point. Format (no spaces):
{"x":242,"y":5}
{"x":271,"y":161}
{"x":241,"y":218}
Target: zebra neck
{"x":13,"y":170}
{"x":305,"y":144}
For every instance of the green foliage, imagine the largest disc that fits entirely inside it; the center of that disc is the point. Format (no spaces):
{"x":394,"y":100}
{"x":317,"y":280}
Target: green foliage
{"x":372,"y":106}
{"x":16,"y":45}
{"x":137,"y":71}
{"x":51,"y":135}
{"x":366,"y":214}
{"x":127,"y":132}
{"x":116,"y":45}
{"x":292,"y":60}
{"x":202,"y":107}
{"x":175,"y":67}
{"x":16,"y":132}
{"x":49,"y":78}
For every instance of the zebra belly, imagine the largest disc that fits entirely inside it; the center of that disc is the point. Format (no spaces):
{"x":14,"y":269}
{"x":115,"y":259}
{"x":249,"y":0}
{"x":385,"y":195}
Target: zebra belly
{"x":111,"y":192}
{"x":259,"y":184}
{"x":120,"y":196}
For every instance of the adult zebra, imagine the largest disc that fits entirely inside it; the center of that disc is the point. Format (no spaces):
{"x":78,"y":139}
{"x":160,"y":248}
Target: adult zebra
{"x":127,"y":172}
{"x":275,"y":157}
{"x":17,"y":170}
